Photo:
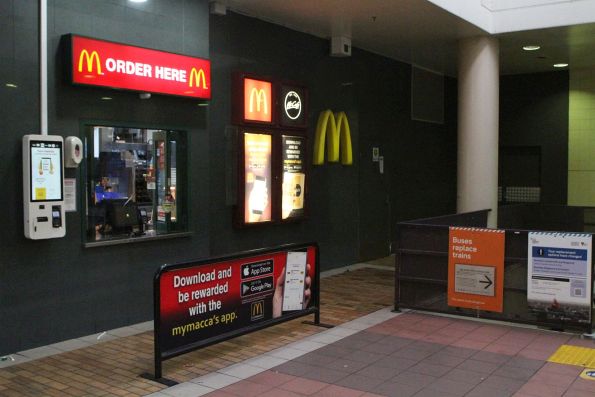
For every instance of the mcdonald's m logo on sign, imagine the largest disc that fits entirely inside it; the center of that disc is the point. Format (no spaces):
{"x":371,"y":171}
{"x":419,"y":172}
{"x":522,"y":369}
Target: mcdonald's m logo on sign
{"x":196,"y":77}
{"x":90,"y":60}
{"x":257,"y":310}
{"x":332,"y":131}
{"x":257,"y":100}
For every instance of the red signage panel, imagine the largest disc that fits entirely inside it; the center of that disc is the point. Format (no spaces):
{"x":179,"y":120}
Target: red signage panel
{"x":213,"y":299}
{"x":106,"y":64}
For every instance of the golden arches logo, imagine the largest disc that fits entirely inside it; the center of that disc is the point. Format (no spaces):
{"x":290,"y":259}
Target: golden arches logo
{"x":332,"y":131}
{"x":89,"y":58}
{"x":257,"y":310}
{"x":196,"y":77}
{"x":260,"y":96}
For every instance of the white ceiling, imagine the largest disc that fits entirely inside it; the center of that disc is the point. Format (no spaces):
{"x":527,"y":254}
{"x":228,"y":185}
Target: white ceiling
{"x":420,"y":33}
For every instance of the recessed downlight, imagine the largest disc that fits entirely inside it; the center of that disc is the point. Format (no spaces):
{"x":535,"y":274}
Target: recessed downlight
{"x":560,"y":65}
{"x":531,"y":47}
{"x":106,"y":98}
{"x":137,"y":1}
{"x":11,"y":85}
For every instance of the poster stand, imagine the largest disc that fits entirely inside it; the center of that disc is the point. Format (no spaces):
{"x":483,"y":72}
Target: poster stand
{"x":236,"y":309}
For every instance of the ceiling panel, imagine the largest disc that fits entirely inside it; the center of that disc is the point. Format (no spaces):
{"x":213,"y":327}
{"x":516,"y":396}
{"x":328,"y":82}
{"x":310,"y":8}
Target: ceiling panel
{"x":420,"y":33}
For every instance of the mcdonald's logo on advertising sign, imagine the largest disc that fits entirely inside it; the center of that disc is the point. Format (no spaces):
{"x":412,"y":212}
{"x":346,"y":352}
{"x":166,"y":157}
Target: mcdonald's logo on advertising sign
{"x":257,"y":310}
{"x":258,"y":100}
{"x":106,"y":64}
{"x":332,"y":131}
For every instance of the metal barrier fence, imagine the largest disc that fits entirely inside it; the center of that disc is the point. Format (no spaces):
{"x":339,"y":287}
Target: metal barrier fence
{"x":422,"y":249}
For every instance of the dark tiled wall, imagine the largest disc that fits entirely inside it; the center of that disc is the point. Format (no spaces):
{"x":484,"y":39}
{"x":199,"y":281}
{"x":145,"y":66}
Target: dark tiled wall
{"x":55,"y":289}
{"x":353,"y":210}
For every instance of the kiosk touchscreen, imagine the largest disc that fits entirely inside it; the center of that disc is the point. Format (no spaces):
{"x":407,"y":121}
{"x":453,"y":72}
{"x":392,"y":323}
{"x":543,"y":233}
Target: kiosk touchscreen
{"x":43,"y":186}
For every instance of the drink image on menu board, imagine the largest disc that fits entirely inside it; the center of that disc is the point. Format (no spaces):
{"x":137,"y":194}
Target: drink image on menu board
{"x":293,"y":194}
{"x":257,"y":171}
{"x":294,"y":177}
{"x":46,"y":171}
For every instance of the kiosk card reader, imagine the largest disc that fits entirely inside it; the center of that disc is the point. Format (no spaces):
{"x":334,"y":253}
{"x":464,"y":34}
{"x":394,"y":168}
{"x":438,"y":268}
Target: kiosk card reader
{"x":43,"y":186}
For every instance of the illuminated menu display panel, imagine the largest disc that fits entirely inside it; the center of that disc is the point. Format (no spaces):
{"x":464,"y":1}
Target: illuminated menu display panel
{"x":258,"y":104}
{"x":294,"y":177}
{"x":257,"y":168}
{"x":46,"y":171}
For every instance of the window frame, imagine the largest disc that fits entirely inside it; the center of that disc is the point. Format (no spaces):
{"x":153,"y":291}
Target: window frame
{"x":86,"y":183}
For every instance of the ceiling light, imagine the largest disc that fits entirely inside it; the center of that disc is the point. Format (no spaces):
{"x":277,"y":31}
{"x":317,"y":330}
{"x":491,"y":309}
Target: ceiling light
{"x":137,"y":1}
{"x":203,"y":104}
{"x":106,"y":98}
{"x":11,"y":85}
{"x":560,"y":65}
{"x":531,"y":47}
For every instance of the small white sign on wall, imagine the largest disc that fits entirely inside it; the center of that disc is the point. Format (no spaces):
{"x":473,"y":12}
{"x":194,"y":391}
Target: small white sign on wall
{"x":70,"y":194}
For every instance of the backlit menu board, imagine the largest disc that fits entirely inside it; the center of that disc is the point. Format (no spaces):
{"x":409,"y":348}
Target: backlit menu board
{"x":257,"y":177}
{"x":294,"y":177}
{"x":272,"y":119}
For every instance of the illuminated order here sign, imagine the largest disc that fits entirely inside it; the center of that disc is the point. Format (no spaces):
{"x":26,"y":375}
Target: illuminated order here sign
{"x":103,"y":63}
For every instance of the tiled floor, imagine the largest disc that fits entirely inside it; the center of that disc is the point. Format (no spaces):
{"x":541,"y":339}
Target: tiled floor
{"x":424,"y":355}
{"x":370,"y":352}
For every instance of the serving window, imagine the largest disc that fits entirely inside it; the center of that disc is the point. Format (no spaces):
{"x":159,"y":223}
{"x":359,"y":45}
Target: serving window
{"x":136,"y":182}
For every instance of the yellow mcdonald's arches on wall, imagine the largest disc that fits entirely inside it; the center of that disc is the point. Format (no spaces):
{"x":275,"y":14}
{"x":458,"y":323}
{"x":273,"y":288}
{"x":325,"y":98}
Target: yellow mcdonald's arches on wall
{"x":332,"y":131}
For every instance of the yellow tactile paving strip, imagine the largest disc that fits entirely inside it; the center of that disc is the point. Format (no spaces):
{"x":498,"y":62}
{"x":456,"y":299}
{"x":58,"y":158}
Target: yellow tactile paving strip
{"x":574,"y":355}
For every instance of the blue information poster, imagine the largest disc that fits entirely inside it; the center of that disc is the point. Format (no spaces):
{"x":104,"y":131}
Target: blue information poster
{"x":559,"y":275}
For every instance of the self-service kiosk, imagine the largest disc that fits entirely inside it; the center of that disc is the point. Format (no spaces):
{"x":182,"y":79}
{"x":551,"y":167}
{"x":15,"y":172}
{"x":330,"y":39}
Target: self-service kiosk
{"x":43,"y":186}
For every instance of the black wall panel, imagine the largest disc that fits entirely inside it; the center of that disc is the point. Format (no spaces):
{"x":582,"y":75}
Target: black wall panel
{"x":534,"y":116}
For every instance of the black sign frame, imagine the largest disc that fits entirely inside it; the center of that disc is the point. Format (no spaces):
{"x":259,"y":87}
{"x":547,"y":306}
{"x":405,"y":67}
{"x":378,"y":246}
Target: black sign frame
{"x":161,"y":355}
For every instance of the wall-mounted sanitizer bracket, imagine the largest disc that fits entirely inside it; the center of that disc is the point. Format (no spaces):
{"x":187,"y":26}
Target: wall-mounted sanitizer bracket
{"x":43,"y":186}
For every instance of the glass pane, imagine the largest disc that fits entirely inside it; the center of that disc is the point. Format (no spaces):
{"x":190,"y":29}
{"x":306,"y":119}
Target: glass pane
{"x":257,"y":155}
{"x":294,"y":177}
{"x":130,"y":189}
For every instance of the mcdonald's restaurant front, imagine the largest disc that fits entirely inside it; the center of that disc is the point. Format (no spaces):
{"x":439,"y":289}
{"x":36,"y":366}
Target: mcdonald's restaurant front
{"x":198,"y":135}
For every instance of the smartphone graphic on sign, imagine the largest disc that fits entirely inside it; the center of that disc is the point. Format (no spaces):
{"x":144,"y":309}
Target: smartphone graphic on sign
{"x":295,"y":278}
{"x":258,"y":195}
